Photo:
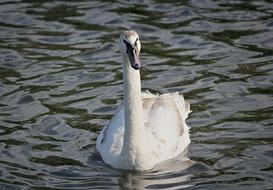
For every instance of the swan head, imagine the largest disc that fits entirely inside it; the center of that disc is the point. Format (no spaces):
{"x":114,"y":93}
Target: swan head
{"x":130,"y":46}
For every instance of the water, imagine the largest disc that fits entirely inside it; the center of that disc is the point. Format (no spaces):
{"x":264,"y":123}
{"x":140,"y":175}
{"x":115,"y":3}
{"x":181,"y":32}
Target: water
{"x":61,"y":81}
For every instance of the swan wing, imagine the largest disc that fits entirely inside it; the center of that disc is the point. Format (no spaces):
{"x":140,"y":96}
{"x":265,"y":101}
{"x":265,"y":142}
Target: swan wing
{"x":109,"y":142}
{"x":166,"y":129}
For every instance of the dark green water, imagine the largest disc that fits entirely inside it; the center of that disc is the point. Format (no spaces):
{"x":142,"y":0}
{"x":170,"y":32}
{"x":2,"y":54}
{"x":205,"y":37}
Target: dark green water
{"x":61,"y":81}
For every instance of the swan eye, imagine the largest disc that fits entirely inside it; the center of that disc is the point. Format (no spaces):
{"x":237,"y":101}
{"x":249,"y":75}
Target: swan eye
{"x":128,"y":45}
{"x":136,"y":42}
{"x":125,"y":42}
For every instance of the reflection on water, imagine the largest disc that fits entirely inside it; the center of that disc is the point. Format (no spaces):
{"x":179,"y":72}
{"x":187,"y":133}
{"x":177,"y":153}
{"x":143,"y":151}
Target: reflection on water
{"x":61,"y":81}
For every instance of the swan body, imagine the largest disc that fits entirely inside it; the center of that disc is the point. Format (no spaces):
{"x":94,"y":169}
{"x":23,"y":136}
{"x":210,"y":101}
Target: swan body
{"x":147,"y":129}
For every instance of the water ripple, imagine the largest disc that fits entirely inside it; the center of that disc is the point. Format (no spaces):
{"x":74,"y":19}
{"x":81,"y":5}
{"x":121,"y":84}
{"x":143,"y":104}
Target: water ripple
{"x":61,"y":82}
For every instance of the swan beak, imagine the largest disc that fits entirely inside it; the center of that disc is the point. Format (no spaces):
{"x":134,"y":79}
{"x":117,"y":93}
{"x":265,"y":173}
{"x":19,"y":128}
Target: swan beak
{"x":134,"y":58}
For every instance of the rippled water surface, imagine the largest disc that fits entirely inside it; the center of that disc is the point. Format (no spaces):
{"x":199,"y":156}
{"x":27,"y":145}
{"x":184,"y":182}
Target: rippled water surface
{"x":61,"y":81}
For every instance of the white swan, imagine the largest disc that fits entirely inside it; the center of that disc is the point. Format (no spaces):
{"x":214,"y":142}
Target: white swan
{"x":147,"y":129}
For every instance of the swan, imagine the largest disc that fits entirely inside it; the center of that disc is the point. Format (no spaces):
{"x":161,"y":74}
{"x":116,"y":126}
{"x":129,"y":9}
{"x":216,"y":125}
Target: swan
{"x":147,"y":129}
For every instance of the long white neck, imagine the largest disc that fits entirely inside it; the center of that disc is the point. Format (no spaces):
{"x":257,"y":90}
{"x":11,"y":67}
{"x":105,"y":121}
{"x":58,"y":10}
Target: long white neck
{"x":134,"y":135}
